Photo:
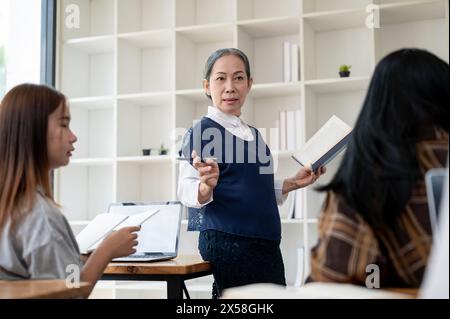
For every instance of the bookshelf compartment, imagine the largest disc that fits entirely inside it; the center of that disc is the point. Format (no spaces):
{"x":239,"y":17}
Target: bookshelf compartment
{"x":145,"y":62}
{"x":89,"y":64}
{"x":85,"y":190}
{"x":291,"y":241}
{"x":93,"y":126}
{"x":87,"y":18}
{"x":265,"y":116}
{"x":190,"y":109}
{"x":144,"y":181}
{"x":202,"y":12}
{"x":346,"y":105}
{"x":261,"y":49}
{"x":413,"y":25}
{"x":143,"y":125}
{"x":261,"y":9}
{"x":144,"y":15}
{"x":352,"y":46}
{"x":193,"y":47}
{"x":397,"y":3}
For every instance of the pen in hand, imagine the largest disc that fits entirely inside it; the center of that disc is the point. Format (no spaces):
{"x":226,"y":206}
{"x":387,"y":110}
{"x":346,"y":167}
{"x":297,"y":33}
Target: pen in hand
{"x":203,"y":160}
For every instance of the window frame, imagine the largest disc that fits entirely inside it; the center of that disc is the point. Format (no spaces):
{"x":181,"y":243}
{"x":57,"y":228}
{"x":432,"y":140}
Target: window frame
{"x":48,"y":41}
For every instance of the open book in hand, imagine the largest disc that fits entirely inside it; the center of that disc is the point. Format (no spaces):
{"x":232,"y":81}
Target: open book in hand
{"x":328,"y":142}
{"x":103,"y":224}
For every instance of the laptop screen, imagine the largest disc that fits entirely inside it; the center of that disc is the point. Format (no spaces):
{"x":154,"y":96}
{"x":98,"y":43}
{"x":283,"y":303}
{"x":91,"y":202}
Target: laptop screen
{"x":434,"y":180}
{"x":160,"y":233}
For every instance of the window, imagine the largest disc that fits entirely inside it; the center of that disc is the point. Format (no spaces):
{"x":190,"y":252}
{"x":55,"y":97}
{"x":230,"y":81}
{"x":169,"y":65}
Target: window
{"x":20,"y":43}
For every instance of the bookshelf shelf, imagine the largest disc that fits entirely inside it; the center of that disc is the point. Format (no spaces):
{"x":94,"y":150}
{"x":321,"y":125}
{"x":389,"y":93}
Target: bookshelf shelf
{"x":216,"y":32}
{"x":145,"y":159}
{"x":262,"y":9}
{"x":149,"y":39}
{"x":275,"y":89}
{"x":197,"y":95}
{"x":152,"y":98}
{"x":410,"y":11}
{"x":270,"y":27}
{"x":92,"y":45}
{"x":338,"y":85}
{"x":336,"y":20}
{"x":133,"y":75}
{"x":92,"y":161}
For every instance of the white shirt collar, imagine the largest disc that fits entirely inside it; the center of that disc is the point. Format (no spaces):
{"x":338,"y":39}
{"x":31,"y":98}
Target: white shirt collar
{"x":231,"y":123}
{"x":222,"y":118}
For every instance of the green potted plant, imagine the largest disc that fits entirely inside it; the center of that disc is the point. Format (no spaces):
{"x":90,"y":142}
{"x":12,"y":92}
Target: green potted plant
{"x":163,"y":150}
{"x":344,"y":70}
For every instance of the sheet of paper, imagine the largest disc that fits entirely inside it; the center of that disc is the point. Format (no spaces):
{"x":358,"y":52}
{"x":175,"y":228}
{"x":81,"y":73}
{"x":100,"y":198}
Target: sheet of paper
{"x":132,"y":220}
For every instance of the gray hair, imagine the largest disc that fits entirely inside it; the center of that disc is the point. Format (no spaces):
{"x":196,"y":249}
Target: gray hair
{"x":223,"y":52}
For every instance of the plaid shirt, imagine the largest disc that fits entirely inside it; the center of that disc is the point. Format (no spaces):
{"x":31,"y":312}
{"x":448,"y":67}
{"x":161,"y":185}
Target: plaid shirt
{"x":347,"y":244}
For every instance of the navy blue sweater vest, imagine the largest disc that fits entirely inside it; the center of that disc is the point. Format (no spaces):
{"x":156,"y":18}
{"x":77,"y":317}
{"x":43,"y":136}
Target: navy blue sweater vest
{"x":244,"y":201}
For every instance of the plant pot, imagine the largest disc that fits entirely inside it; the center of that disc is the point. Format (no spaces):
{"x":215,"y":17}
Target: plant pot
{"x":146,"y":151}
{"x":344,"y":74}
{"x":164,"y":152}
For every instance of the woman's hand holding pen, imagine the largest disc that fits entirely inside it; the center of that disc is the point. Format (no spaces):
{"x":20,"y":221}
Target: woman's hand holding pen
{"x":209,"y":176}
{"x":304,"y":177}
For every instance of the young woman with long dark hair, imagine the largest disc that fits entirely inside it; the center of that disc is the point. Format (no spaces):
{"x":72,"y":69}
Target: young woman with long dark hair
{"x":376,"y":208}
{"x":36,"y":241}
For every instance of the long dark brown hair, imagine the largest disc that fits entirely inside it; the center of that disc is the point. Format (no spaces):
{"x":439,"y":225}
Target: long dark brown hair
{"x":24,"y":163}
{"x":409,"y":91}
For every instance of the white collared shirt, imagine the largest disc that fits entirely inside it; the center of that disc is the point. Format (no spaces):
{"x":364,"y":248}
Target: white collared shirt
{"x":189,"y":178}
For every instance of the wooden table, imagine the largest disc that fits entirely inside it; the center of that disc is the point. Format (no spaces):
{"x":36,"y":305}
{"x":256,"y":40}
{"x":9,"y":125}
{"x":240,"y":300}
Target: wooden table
{"x":174,"y":272}
{"x":41,"y":289}
{"x":412,"y":292}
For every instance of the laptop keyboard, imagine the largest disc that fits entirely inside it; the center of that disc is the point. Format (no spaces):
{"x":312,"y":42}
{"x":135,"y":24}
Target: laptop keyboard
{"x":147,"y":255}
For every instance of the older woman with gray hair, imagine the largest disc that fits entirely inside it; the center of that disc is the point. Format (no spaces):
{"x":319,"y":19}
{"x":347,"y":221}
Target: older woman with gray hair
{"x":228,"y":182}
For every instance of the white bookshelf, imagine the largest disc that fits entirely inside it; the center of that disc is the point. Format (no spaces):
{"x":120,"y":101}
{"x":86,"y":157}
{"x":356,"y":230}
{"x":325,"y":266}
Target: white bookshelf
{"x":133,"y":74}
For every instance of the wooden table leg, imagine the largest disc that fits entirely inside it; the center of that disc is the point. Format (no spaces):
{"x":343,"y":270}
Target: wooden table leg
{"x":175,"y":288}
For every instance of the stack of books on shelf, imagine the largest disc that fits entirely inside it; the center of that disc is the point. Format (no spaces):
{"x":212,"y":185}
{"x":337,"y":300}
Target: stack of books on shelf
{"x":290,"y":62}
{"x":291,"y":133}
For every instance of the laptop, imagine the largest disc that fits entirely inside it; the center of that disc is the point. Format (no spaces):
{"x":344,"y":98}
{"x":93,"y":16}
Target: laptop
{"x":159,"y":236}
{"x":434,"y":180}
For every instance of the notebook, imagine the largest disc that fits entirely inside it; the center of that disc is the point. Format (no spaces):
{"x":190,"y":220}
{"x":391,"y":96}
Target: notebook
{"x":325,"y":144}
{"x":158,"y":239}
{"x":103,"y":224}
